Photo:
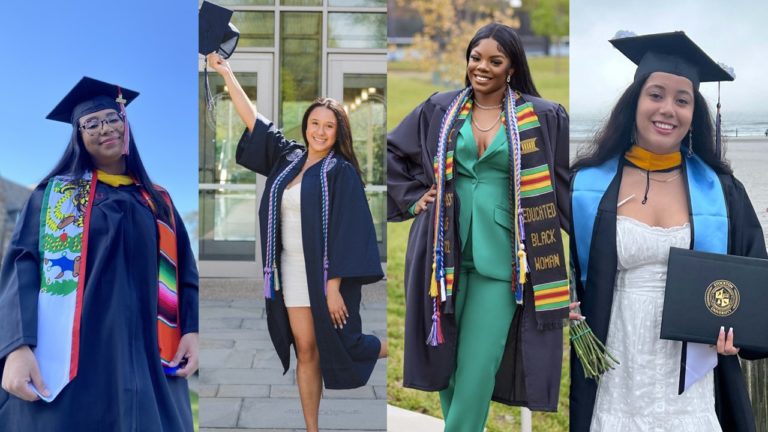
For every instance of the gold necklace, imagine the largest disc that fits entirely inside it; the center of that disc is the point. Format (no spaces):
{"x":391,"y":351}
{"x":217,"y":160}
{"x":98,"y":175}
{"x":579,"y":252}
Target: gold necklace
{"x":486,"y":107}
{"x":474,"y":122}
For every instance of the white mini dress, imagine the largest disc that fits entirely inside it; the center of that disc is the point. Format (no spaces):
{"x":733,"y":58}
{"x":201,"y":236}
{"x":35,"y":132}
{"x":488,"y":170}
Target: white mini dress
{"x":293,"y":271}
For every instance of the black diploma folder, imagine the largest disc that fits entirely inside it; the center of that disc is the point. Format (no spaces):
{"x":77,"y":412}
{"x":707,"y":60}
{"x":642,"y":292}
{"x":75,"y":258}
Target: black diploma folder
{"x":706,"y":291}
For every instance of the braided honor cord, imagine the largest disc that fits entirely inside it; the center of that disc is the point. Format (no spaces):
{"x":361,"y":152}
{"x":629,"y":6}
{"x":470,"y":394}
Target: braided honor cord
{"x":269,"y":267}
{"x":513,"y":138}
{"x":435,"y":336}
{"x":326,"y":165}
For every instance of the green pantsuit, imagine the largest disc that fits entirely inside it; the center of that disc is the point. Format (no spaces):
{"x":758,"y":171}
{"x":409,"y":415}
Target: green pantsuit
{"x":485,"y":303}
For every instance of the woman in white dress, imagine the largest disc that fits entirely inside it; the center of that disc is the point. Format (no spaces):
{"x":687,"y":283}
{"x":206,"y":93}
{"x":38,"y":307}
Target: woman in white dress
{"x":318,"y":244}
{"x":637,"y":191}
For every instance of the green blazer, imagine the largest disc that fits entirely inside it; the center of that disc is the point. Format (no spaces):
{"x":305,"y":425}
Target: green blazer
{"x":482,"y":186}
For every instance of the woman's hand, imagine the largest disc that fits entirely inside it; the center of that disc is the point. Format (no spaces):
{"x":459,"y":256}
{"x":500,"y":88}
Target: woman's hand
{"x":725,"y":343}
{"x":336,"y":306}
{"x":243,"y":105}
{"x":575,"y":316}
{"x":188,"y":348}
{"x":427,"y":198}
{"x":20,"y":369}
{"x":217,"y":63}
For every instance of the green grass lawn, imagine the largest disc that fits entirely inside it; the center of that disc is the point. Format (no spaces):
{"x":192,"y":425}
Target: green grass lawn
{"x":195,"y":411}
{"x":407,"y":88}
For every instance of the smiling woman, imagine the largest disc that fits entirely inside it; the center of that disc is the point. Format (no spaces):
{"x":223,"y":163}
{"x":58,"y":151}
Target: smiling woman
{"x":98,"y":289}
{"x":318,"y":243}
{"x":653,"y":179}
{"x":486,"y":288}
{"x":664,"y":112}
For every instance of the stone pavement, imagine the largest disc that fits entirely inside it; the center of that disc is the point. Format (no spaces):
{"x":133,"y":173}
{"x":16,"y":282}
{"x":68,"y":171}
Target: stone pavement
{"x":241,"y":384}
{"x":400,"y":420}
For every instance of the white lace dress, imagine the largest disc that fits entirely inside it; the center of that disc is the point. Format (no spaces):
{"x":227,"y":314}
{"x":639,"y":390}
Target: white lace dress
{"x":293,"y":271}
{"x":641,"y":393}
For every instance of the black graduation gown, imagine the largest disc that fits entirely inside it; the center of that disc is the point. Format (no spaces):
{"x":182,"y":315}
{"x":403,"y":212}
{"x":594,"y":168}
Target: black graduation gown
{"x":529,"y":374}
{"x":120,"y":384}
{"x":347,"y":356}
{"x":745,"y":238}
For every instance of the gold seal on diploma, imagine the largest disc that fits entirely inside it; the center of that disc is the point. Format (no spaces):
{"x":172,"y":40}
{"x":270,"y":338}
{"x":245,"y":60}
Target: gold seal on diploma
{"x":722,"y":298}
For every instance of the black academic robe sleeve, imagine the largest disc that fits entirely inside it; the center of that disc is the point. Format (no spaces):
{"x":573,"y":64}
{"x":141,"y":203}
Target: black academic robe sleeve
{"x":746,"y":238}
{"x":261,"y":149}
{"x":20,"y":281}
{"x":406,"y":179}
{"x":189,"y":280}
{"x":353,"y":252}
{"x":558,"y":131}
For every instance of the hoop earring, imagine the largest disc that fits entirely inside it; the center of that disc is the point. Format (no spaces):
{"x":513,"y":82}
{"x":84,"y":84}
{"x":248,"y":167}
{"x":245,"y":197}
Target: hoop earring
{"x":508,"y":78}
{"x":690,"y":142}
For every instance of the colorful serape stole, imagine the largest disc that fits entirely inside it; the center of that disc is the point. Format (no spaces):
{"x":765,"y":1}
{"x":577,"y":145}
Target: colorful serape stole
{"x":168,"y":331}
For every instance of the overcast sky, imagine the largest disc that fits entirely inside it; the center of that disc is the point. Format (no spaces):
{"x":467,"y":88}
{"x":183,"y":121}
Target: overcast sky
{"x":731,"y":32}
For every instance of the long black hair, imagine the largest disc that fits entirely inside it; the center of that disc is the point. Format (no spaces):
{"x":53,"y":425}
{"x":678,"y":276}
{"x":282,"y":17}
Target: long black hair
{"x":511,"y":45}
{"x":616,"y":137}
{"x":343,"y":144}
{"x":76,"y":161}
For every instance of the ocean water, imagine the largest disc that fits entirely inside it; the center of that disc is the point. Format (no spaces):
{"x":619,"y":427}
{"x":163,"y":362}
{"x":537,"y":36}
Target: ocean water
{"x":748,"y":157}
{"x":733,"y":124}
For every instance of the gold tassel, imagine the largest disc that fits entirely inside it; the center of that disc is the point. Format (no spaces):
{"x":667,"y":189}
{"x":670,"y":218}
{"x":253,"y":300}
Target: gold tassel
{"x":433,"y":284}
{"x":523,"y":264}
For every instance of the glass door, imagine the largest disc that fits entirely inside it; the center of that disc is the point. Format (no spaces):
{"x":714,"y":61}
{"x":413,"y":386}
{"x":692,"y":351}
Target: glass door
{"x":229,"y":239}
{"x":360,"y":82}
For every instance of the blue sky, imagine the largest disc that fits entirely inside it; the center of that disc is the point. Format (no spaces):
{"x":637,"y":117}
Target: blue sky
{"x":148,"y":46}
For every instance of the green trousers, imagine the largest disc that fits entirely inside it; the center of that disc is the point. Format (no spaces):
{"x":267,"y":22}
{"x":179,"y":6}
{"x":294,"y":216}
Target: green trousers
{"x":484,"y":311}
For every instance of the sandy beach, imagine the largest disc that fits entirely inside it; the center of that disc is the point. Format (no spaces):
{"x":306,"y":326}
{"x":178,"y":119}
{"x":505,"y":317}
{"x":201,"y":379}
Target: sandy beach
{"x":749,"y":159}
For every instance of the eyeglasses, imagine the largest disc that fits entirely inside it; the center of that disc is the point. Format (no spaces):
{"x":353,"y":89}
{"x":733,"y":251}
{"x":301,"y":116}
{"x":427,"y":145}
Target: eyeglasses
{"x":93,"y":126}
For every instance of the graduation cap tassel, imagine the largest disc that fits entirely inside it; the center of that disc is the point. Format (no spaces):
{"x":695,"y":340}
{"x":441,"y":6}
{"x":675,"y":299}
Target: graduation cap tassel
{"x":718,"y":131}
{"x":127,"y":133}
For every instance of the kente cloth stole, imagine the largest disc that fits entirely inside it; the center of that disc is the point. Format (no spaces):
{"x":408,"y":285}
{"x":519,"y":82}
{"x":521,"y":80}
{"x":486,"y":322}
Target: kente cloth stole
{"x":539,"y":257}
{"x":63,"y":243}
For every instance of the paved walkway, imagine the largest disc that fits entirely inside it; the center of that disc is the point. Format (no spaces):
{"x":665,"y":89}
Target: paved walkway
{"x":401,"y":420}
{"x":241,"y":384}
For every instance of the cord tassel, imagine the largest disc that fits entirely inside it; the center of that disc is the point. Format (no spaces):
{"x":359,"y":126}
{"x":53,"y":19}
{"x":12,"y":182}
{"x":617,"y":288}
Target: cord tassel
{"x":268,"y":283}
{"x":435,"y":335}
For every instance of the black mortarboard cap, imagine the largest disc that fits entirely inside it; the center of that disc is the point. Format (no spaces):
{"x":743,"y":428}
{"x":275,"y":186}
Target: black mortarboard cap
{"x":673,"y":53}
{"x":88,"y":96}
{"x":216,"y":33}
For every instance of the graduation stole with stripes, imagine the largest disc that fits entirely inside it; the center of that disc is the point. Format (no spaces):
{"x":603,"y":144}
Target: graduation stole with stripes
{"x":539,"y":257}
{"x":63,"y":243}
